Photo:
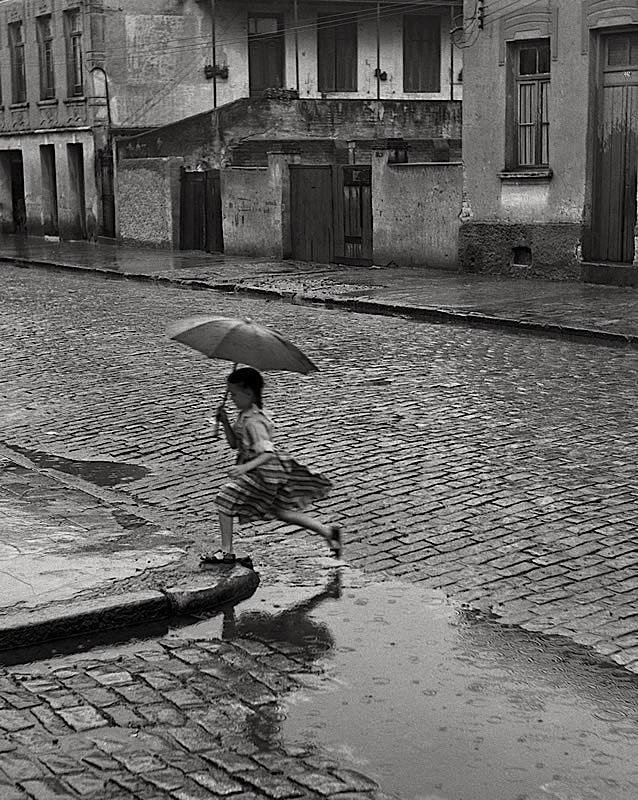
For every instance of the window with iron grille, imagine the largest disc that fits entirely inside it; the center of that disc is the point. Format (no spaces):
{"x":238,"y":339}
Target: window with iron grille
{"x":529,"y":104}
{"x":45,"y":54}
{"x":336,"y":54}
{"x":18,"y":73}
{"x":421,"y":53}
{"x":73,"y":40}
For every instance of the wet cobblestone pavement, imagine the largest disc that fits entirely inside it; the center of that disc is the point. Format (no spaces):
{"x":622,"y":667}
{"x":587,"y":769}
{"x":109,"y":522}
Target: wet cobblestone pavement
{"x":497,"y":467}
{"x":171,"y":718}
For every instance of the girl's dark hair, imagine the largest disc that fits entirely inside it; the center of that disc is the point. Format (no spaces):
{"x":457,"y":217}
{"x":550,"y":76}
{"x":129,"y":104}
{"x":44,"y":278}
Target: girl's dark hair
{"x":248,"y":378}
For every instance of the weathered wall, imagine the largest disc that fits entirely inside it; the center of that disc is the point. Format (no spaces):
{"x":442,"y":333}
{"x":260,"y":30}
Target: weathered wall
{"x":536,"y":210}
{"x":148,"y":201}
{"x":208,"y":139}
{"x":415,"y":212}
{"x":252,"y":211}
{"x":30,"y":144}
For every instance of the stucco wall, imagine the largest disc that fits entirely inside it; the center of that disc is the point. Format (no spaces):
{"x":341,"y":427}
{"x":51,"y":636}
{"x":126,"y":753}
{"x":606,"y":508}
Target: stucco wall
{"x":415,"y":213}
{"x":148,"y":201}
{"x":562,"y":198}
{"x":68,"y":211}
{"x":252,"y":211}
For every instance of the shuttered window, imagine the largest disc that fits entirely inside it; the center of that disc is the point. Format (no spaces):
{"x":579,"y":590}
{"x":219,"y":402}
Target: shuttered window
{"x":533,"y":86}
{"x":336,"y":54}
{"x":18,"y":72}
{"x":73,"y":42}
{"x":421,"y":53}
{"x":45,"y":56}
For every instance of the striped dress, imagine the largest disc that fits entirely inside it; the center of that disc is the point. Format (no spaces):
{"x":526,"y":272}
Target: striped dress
{"x":280,"y":484}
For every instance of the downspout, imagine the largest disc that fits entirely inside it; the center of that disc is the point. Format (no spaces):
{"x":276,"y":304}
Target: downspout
{"x":213,"y":35}
{"x":451,"y":53}
{"x":378,"y":50}
{"x":296,"y":6}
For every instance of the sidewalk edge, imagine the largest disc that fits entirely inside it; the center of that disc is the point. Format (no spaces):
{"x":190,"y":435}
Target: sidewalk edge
{"x":80,"y":617}
{"x":431,"y":314}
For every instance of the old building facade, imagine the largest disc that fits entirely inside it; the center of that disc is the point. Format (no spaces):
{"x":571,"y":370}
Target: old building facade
{"x":550,"y":133}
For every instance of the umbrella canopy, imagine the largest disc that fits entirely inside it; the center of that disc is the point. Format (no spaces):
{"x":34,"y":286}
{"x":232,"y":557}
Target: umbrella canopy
{"x":241,"y":341}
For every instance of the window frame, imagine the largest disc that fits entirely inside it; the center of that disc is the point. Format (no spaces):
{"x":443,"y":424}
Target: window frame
{"x":539,"y":96}
{"x":46,"y":60}
{"x":414,"y":48}
{"x":74,"y":52}
{"x":332,"y":68}
{"x":18,"y":63}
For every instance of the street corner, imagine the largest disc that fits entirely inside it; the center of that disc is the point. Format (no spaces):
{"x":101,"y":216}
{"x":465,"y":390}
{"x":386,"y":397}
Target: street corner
{"x":216,"y":586}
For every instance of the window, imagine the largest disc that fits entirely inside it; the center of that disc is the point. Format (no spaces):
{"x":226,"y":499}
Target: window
{"x":421,"y":53}
{"x":18,"y":74}
{"x":336,"y":54}
{"x":529,"y":104}
{"x":45,"y":53}
{"x":73,"y":38}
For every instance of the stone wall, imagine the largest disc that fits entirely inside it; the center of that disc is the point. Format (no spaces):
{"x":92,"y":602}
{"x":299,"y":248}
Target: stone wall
{"x":415,"y":211}
{"x":148,"y":192}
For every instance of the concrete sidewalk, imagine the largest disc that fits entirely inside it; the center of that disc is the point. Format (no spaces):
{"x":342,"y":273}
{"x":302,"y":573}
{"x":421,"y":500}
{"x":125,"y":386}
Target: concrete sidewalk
{"x":562,"y":309}
{"x":70,"y":565}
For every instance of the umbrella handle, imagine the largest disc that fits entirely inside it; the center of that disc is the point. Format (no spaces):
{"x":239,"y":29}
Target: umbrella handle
{"x":224,"y":399}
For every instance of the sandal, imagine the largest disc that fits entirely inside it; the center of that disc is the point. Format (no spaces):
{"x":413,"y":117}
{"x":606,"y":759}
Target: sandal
{"x":217,"y":558}
{"x":225,"y":558}
{"x":335,"y":540}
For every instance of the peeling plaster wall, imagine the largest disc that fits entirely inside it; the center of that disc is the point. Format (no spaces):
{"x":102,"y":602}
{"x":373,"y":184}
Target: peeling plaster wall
{"x":252,"y":211}
{"x":415,"y":212}
{"x":148,"y":201}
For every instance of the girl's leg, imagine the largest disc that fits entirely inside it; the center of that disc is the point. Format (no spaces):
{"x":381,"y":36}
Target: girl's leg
{"x":331,"y":533}
{"x":226,"y":527}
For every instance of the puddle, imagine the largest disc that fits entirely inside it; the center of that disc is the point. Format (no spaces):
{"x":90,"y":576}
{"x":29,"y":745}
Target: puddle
{"x":101,"y":473}
{"x":436,"y":704}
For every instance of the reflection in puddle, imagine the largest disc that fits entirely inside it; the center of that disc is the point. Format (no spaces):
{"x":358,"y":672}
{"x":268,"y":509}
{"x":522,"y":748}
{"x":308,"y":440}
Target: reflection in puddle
{"x":433,"y":703}
{"x":101,"y":473}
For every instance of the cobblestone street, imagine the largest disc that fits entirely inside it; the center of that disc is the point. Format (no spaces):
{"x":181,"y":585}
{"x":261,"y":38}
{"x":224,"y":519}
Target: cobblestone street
{"x":495,"y":466}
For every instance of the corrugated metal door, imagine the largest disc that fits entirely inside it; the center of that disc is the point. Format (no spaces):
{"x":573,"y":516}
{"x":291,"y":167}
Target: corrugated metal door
{"x":616,"y":165}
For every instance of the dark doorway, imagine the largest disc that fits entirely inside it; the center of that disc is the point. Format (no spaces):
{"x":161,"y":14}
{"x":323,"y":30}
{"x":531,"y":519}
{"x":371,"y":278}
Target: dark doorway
{"x":616,"y":151}
{"x":107,"y":192}
{"x":266,"y":55}
{"x":49,"y":191}
{"x":75,"y":156}
{"x":17,"y":192}
{"x":201,"y":211}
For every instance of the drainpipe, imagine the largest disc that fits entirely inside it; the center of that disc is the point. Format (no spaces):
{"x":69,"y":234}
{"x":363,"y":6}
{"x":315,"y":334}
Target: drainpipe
{"x":213,"y":32}
{"x":451,"y":54}
{"x":378,"y":50}
{"x":296,"y":6}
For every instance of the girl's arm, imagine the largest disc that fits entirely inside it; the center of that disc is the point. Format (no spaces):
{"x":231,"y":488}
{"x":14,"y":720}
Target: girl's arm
{"x":222,"y":416}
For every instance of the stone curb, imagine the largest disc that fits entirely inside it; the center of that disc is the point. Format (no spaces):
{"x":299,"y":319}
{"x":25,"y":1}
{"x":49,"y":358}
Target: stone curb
{"x":81,"y":617}
{"x":472,"y":319}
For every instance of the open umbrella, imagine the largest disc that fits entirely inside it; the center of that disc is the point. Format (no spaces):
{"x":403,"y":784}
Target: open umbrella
{"x":241,"y":341}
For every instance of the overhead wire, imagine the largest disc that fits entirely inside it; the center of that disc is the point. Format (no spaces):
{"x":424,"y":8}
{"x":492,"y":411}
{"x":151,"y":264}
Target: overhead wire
{"x":157,"y":97}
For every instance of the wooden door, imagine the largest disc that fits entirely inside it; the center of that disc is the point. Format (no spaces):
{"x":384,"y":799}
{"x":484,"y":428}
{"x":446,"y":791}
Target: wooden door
{"x":17,"y":192}
{"x":107,"y":191}
{"x":200,"y":211}
{"x":266,"y":55}
{"x":311,"y":204}
{"x":616,"y":154}
{"x":353,"y":214}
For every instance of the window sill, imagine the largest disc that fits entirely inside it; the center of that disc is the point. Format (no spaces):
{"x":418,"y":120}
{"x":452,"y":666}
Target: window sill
{"x":19,"y":106}
{"x":79,"y":99}
{"x":51,"y":101}
{"x":534,"y":175}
